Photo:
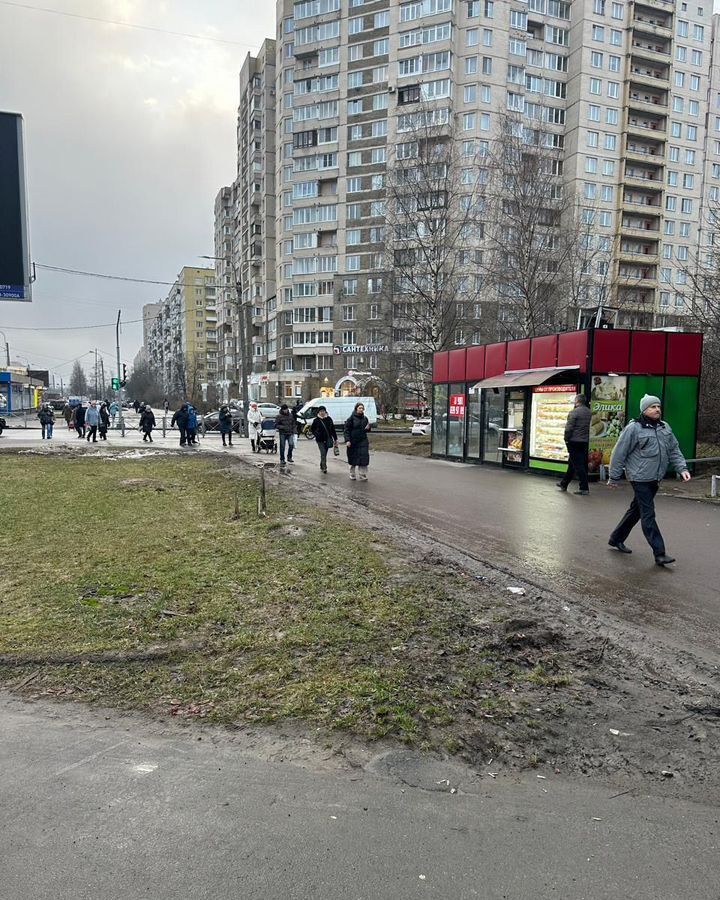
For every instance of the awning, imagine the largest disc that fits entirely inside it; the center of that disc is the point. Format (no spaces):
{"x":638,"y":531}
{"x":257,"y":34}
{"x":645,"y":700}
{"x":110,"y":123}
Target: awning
{"x":523,"y":379}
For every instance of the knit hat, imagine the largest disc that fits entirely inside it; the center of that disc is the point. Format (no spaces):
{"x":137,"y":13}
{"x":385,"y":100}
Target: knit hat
{"x":649,"y":400}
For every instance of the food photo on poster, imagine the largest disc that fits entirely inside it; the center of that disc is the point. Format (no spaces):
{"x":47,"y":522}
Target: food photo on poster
{"x":551,"y":405}
{"x":608,"y":397}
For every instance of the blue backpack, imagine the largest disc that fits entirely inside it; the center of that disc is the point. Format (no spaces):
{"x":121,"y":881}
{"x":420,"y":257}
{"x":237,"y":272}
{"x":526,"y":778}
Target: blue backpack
{"x":192,"y":417}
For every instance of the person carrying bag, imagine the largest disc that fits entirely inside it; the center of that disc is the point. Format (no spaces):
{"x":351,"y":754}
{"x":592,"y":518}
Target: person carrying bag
{"x":323,"y":430}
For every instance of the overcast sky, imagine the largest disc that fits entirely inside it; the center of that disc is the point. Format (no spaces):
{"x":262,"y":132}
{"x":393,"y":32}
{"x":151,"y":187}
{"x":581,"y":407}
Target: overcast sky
{"x":129,"y":135}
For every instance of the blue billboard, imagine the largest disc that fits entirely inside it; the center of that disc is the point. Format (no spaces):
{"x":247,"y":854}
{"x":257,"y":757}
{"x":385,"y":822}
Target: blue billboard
{"x":15,"y":266}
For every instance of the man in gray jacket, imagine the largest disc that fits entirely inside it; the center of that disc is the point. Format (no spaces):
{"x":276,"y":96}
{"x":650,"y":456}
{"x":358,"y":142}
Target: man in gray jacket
{"x":644,"y":450}
{"x":577,"y":438}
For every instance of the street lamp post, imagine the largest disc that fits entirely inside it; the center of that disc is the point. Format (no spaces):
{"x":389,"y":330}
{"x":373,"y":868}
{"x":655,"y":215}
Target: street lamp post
{"x":242,"y":310}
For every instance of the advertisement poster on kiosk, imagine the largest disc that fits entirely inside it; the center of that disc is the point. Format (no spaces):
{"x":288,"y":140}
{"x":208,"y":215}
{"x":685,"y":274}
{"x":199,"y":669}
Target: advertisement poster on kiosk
{"x":608,"y":399}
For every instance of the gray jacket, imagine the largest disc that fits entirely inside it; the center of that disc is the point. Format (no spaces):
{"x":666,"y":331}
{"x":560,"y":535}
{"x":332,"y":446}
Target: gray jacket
{"x":577,"y":427}
{"x":645,"y":452}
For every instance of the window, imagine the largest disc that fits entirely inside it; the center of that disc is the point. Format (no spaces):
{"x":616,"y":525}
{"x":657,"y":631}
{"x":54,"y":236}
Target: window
{"x":487,"y":37}
{"x":688,"y":181}
{"x":355,"y":52}
{"x":671,"y":203}
{"x":518,"y":19}
{"x":590,"y":190}
{"x":691,"y":132}
{"x":352,"y":263}
{"x":469,"y":121}
{"x":694,"y":82}
{"x":618,"y":11}
{"x":664,"y":298}
{"x":352,"y":236}
{"x":613,"y":90}
{"x":381,"y":48}
{"x":679,"y":79}
{"x":678,"y":104}
{"x":595,"y":86}
{"x":596,"y":60}
{"x":375,"y":285}
{"x":684,"y":229}
{"x":606,"y":193}
{"x":517,"y":47}
{"x":686,"y":206}
{"x":354,"y":185}
{"x":696,"y":57}
{"x":614,"y":63}
{"x":470,"y":93}
{"x":471,"y":65}
{"x":598,"y":33}
{"x":676,"y":129}
{"x":379,"y":128}
{"x":615,"y":37}
{"x":608,"y":167}
{"x":683,"y":28}
{"x":669,"y":227}
{"x":472,"y":37}
{"x":350,"y":286}
{"x":693,"y":107}
{"x":592,"y":138}
{"x":591,"y":165}
{"x":381,"y":19}
{"x":681,"y":53}
{"x":487,"y":65}
{"x":593,"y":113}
{"x":605,"y":219}
{"x":599,"y":7}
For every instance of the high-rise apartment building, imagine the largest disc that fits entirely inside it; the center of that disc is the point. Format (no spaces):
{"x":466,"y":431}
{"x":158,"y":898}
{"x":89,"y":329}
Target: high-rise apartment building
{"x":615,"y":92}
{"x":182,"y":339}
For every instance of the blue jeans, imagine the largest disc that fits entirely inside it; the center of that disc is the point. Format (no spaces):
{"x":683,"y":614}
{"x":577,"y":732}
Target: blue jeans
{"x":286,"y":440}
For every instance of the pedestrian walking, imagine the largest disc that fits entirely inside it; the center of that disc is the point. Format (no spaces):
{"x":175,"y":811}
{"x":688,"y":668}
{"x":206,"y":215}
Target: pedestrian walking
{"x":323,"y":430}
{"x":355,"y":433}
{"x":577,"y":439}
{"x":180,"y":418}
{"x":296,"y":416}
{"x":166,"y":406}
{"x":47,"y":420}
{"x":68,"y":416}
{"x":136,"y":405}
{"x":285,"y":424}
{"x":147,"y":423}
{"x":114,"y":409}
{"x":92,"y":420}
{"x":225,"y":422}
{"x":255,"y":418}
{"x":104,"y":421}
{"x":79,"y":420}
{"x":192,"y":425}
{"x":644,"y":451}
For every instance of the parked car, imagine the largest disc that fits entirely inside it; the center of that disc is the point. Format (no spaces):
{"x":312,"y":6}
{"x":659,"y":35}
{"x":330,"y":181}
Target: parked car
{"x":269,"y":410}
{"x":421,"y":426}
{"x":211,"y":420}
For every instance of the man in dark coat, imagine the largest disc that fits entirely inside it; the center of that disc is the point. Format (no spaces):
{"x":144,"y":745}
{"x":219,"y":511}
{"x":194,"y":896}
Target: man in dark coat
{"x":79,"y":419}
{"x":180,"y":418}
{"x":225,"y":422}
{"x":104,"y":421}
{"x":577,"y":438}
{"x":285,"y":424}
{"x":356,"y":442}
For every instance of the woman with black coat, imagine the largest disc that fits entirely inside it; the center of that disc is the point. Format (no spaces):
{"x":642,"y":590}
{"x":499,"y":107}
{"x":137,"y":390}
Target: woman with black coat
{"x":356,"y":441}
{"x":323,"y":430}
{"x":147,"y":423}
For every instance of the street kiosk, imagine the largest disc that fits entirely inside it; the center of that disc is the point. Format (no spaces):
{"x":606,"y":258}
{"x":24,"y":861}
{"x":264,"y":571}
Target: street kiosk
{"x":506,"y":403}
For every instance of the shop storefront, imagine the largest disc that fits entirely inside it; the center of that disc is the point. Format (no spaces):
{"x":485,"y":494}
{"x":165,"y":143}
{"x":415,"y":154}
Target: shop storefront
{"x":507,"y":403}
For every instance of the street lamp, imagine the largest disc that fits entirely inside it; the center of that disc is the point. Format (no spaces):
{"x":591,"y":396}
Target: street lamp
{"x":242,"y":310}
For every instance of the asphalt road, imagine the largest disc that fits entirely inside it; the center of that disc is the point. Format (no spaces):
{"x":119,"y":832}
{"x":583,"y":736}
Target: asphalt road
{"x":122,"y":809}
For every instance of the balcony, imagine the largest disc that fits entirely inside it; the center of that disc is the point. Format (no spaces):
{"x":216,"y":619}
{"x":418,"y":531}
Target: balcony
{"x":650,"y":154}
{"x":655,"y":77}
{"x":656,"y":26}
{"x":647,"y":102}
{"x":645,"y":227}
{"x":646,"y":278}
{"x":646,"y":203}
{"x":642,"y":125}
{"x":640,"y":254}
{"x":651,"y":51}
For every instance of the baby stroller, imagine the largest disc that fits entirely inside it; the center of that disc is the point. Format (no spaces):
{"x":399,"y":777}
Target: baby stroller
{"x":268,"y":436}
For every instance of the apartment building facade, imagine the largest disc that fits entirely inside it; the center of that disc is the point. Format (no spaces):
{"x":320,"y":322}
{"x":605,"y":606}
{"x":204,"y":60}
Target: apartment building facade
{"x":181,"y":340}
{"x":616,"y":92}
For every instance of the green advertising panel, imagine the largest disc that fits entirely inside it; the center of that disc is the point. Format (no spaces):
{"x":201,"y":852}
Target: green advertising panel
{"x":608,"y":408}
{"x":638,"y":386}
{"x":680,"y":410}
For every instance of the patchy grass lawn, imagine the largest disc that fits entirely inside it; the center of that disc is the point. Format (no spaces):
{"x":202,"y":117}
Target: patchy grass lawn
{"x":406,"y":444}
{"x":137,"y":587}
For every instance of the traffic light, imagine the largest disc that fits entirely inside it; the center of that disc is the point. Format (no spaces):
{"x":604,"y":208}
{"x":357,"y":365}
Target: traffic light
{"x":116,"y":384}
{"x":123,"y":380}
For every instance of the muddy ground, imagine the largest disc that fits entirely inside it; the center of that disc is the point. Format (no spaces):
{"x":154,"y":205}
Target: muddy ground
{"x":538,"y":679}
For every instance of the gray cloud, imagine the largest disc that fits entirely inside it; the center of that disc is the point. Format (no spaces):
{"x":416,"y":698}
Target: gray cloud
{"x":129,"y":135}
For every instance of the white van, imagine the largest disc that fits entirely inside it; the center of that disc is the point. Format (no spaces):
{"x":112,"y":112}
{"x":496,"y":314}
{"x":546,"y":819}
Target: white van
{"x":339,"y":408}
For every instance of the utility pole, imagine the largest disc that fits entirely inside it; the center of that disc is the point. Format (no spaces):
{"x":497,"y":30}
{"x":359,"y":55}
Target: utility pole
{"x":119,"y":370}
{"x":96,"y":374}
{"x":102,"y":376}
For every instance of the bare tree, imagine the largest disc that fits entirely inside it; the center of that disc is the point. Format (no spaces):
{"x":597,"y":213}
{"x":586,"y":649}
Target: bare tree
{"x":435,"y":189}
{"x":702,"y":301}
{"x":544,"y":259}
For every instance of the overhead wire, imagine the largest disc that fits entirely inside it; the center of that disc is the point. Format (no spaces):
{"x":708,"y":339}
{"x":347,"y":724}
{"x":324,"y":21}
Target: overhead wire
{"x":71,"y":15}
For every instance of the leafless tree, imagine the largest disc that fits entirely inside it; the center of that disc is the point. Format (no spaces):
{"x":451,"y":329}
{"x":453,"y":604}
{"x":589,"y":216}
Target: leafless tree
{"x":435,"y":190}
{"x":702,"y":302}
